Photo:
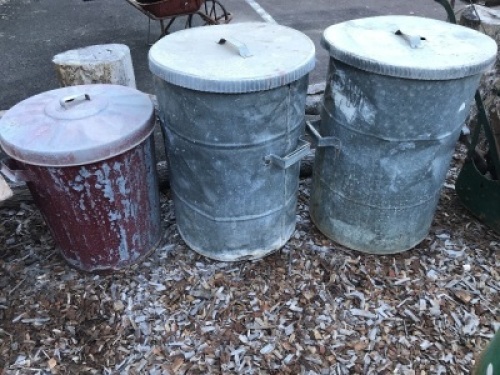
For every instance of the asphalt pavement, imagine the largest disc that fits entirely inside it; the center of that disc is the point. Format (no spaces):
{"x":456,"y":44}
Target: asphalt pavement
{"x":33,"y":31}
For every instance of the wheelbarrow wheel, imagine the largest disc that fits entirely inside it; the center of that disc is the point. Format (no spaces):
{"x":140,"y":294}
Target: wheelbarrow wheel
{"x":212,"y":12}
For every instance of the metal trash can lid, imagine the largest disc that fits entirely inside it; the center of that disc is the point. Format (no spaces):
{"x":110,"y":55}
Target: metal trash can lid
{"x":236,"y":58}
{"x":410,"y":47}
{"x":76,"y":125}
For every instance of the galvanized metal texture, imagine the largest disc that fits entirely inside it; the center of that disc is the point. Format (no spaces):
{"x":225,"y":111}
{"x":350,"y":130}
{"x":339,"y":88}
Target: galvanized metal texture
{"x":267,"y":56}
{"x":103,"y":216}
{"x":410,"y":47}
{"x":379,"y":193}
{"x":231,"y":201}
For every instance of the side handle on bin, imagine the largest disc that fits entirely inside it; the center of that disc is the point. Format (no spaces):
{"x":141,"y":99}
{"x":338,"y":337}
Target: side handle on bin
{"x":322,"y":141}
{"x":292,"y":158}
{"x":14,"y":175}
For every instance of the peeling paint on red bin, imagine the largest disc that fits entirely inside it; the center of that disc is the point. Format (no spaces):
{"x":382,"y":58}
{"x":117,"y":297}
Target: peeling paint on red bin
{"x":105,"y":215}
{"x":88,"y":154}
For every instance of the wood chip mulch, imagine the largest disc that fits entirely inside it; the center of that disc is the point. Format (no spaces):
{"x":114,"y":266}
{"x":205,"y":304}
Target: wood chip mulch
{"x":313,"y":307}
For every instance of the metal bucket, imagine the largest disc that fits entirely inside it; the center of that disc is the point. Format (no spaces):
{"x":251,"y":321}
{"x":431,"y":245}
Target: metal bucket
{"x":398,"y":92}
{"x":232,"y":134}
{"x":89,"y":163}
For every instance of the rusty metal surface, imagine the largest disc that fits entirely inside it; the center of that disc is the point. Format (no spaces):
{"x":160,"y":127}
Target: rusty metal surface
{"x":105,"y":215}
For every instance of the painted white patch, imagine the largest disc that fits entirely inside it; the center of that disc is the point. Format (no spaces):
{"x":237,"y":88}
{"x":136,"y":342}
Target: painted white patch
{"x":347,"y":109}
{"x":462,"y":107}
{"x":124,"y":254}
{"x":78,"y":187}
{"x":133,"y":210}
{"x":117,"y":166}
{"x":114,"y":215}
{"x":351,"y":101}
{"x":392,"y":171}
{"x":82,"y":204}
{"x":84,"y":173}
{"x":122,"y":185}
{"x":56,"y":178}
{"x":104,"y":182}
{"x":126,"y":208}
{"x":79,"y":183}
{"x":261,"y":11}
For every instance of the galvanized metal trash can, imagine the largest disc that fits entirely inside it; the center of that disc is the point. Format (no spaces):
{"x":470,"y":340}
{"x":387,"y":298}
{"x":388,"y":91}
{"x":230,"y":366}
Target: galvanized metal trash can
{"x":87,"y":155}
{"x":232,"y":100}
{"x":398,"y":92}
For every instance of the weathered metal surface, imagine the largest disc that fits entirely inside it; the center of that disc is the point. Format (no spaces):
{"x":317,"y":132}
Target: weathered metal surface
{"x":233,"y":199}
{"x":104,"y":215}
{"x":410,"y":47}
{"x":378,"y":193}
{"x":232,"y":127}
{"x":87,"y":156}
{"x":259,"y":57}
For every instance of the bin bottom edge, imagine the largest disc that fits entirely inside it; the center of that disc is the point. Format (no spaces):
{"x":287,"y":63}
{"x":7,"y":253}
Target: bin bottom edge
{"x":237,"y":255}
{"x":368,"y":249}
{"x":108,"y":268}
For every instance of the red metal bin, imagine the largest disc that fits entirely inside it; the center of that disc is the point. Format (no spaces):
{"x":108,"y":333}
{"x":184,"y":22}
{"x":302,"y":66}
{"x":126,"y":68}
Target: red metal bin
{"x":87,"y":155}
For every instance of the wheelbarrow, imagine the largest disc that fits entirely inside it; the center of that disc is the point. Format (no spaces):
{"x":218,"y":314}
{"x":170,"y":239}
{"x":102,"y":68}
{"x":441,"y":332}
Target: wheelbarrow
{"x":198,"y":12}
{"x":477,"y":184}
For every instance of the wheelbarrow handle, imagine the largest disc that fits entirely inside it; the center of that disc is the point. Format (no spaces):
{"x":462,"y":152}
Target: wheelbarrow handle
{"x":449,"y":10}
{"x":485,"y":123}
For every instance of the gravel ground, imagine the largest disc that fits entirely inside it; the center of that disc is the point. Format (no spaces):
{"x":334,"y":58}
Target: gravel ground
{"x":313,"y":307}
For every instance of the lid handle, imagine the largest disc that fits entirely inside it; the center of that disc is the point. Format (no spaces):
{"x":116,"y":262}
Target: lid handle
{"x":236,"y":44}
{"x":415,"y":41}
{"x":71,"y":101}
